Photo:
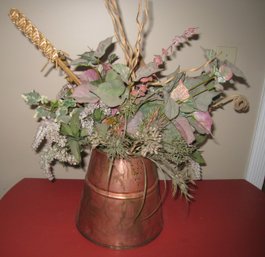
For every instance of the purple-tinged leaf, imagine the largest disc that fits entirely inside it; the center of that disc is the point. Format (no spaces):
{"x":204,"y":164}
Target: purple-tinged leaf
{"x":82,"y":94}
{"x":185,"y":129}
{"x":134,"y":123}
{"x":89,"y":75}
{"x":205,"y":120}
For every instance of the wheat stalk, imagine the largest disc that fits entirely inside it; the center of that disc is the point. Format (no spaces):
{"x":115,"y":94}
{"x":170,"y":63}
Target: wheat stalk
{"x":40,"y":41}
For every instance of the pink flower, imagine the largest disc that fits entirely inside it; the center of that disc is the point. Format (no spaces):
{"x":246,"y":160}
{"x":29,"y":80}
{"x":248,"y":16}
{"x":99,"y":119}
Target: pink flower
{"x":188,"y":33}
{"x":143,"y":88}
{"x":139,"y":90}
{"x":205,"y":120}
{"x":225,"y":72}
{"x":180,"y":92}
{"x":106,"y":67}
{"x":158,"y":60}
{"x":134,"y":92}
{"x":165,"y":52}
{"x":146,"y":79}
{"x":177,"y":40}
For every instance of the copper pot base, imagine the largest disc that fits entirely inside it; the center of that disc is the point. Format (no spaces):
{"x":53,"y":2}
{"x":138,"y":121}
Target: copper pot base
{"x":122,"y":211}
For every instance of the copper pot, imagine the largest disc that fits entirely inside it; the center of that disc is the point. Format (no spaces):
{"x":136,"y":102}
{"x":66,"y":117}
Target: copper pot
{"x":122,"y":210}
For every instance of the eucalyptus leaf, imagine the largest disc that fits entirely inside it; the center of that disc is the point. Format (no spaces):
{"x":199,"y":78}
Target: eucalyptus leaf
{"x":170,"y":133}
{"x":176,"y":75}
{"x":187,"y":107}
{"x":236,"y":71}
{"x":123,"y":70}
{"x":209,"y":53}
{"x":111,"y":75}
{"x":171,"y":109}
{"x":146,"y":71}
{"x":111,"y":93}
{"x":86,"y":59}
{"x":102,"y":47}
{"x":203,"y":100}
{"x":80,"y":62}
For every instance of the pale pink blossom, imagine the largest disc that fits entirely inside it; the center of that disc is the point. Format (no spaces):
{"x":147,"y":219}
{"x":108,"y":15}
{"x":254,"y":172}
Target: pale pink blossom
{"x":143,"y":88}
{"x":158,"y":60}
{"x":225,"y":72}
{"x":146,"y":79}
{"x":188,"y":33}
{"x":180,"y":92}
{"x":205,"y":120}
{"x":177,"y":40}
{"x":139,"y":90}
{"x":165,"y":52}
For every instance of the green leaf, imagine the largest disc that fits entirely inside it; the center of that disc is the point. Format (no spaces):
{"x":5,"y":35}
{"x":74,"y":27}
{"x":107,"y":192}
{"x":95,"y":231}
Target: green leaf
{"x":86,"y":59}
{"x":112,"y":58}
{"x":75,"y":149}
{"x":111,"y":75}
{"x":66,"y":130}
{"x":61,"y":115}
{"x":146,"y":71}
{"x":200,"y":139}
{"x":152,"y":106}
{"x":75,"y":123}
{"x":32,"y":98}
{"x":171,"y":108}
{"x":102,"y":130}
{"x":123,"y":70}
{"x":98,"y":115}
{"x":81,"y":62}
{"x":68,"y":102}
{"x":102,"y":47}
{"x":112,"y":94}
{"x":187,"y":107}
{"x":197,"y":157}
{"x":177,"y":75}
{"x":170,"y":134}
{"x":203,"y":100}
{"x":84,"y":132}
{"x":209,"y":53}
{"x":41,"y":112}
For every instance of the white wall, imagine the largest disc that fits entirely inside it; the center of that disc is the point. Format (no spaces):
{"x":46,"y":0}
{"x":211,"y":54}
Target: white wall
{"x":74,"y":25}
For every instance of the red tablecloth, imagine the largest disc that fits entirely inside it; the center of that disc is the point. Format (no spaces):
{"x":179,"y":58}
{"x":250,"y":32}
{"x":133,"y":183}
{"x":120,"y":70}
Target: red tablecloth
{"x":227,"y":219}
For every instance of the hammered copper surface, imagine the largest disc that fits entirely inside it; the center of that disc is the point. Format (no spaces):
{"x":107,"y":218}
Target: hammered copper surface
{"x":114,"y":212}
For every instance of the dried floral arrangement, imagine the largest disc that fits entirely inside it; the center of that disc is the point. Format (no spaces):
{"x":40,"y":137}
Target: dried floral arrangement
{"x":129,"y":109}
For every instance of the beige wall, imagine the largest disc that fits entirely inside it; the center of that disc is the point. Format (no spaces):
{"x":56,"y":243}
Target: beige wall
{"x":74,"y":25}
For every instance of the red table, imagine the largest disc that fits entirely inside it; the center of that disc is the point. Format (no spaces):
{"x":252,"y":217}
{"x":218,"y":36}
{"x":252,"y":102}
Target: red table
{"x":227,"y":218}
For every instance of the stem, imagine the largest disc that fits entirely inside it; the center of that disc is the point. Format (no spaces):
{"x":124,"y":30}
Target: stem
{"x":201,"y":83}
